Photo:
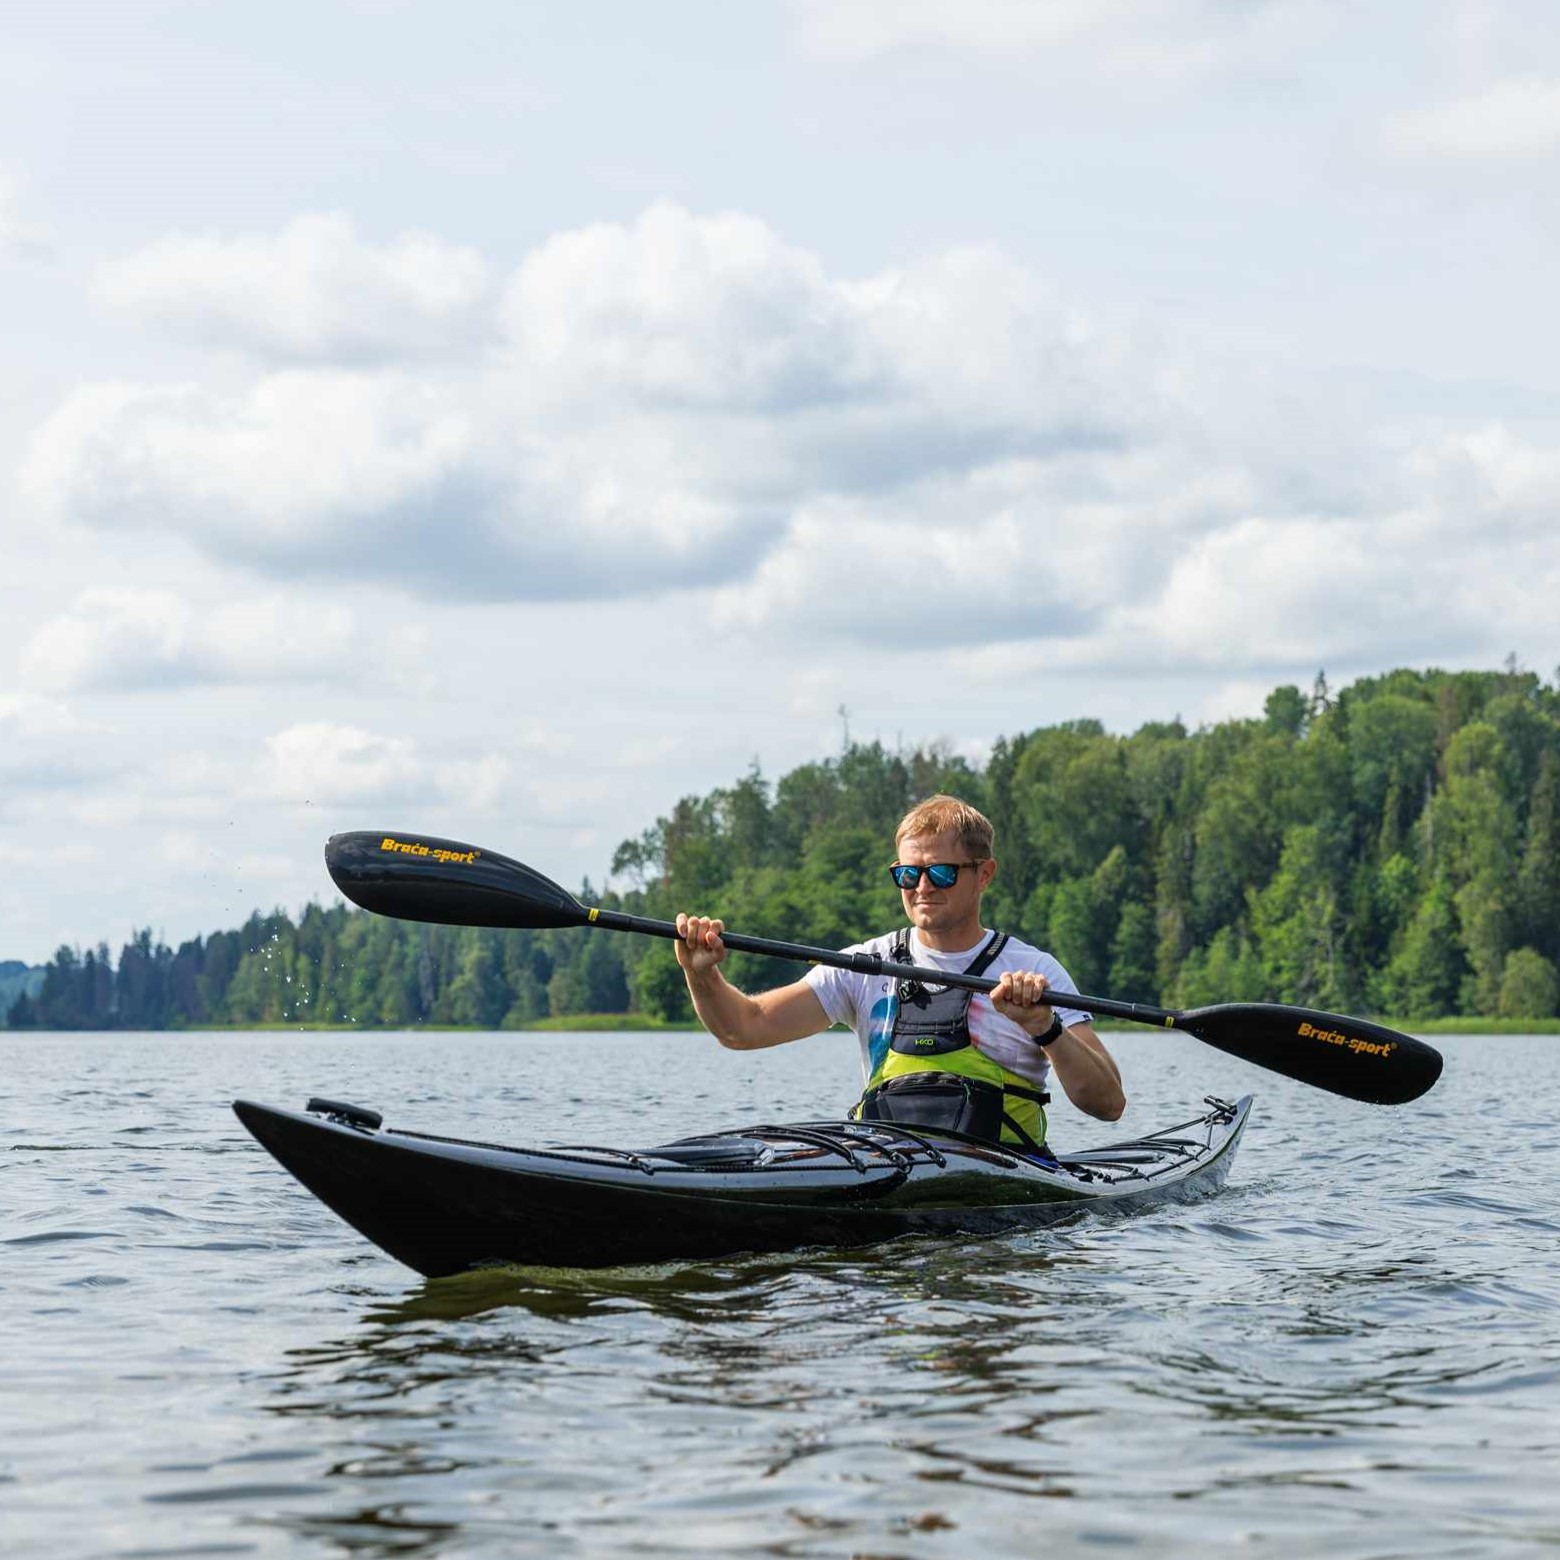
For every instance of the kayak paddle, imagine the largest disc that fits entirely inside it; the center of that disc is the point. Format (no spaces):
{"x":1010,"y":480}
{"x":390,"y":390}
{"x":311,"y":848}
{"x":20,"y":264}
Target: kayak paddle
{"x":413,"y":877}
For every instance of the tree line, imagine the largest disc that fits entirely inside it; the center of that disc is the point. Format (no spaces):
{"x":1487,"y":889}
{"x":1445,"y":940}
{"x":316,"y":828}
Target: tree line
{"x":1393,"y":848}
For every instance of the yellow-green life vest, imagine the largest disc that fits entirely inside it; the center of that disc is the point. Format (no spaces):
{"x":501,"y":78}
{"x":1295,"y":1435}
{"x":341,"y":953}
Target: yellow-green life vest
{"x":931,"y":1036}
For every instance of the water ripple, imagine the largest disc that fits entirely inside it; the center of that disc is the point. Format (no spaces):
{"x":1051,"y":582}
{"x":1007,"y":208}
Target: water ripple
{"x":1354,"y":1351}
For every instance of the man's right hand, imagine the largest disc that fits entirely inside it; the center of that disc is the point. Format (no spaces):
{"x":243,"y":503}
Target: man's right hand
{"x":699,"y":946}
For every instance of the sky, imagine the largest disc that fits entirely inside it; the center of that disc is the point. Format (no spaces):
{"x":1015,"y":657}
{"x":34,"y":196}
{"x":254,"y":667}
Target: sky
{"x":500,"y":420}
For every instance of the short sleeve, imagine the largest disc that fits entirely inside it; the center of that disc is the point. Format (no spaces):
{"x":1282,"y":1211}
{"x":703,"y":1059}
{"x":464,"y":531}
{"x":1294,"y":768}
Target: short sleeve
{"x":835,"y":991}
{"x":1061,"y":982}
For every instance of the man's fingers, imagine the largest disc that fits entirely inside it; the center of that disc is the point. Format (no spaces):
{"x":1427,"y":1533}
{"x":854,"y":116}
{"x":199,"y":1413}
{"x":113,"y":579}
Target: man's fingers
{"x":1022,"y":988}
{"x":700,"y":934}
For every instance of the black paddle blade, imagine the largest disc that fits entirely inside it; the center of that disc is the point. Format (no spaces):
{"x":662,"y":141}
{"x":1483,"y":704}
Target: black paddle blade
{"x":415,"y":877}
{"x":1347,"y":1056}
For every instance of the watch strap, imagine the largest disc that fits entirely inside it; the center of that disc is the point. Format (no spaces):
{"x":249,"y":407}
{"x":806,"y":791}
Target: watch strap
{"x":1053,"y":1034}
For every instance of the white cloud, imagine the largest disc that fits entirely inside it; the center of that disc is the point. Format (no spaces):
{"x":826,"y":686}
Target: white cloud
{"x":27,"y":715}
{"x":1023,"y":550}
{"x":711,"y":312}
{"x":1511,"y":119}
{"x":111,"y":638}
{"x":680,"y":315}
{"x":121,"y":639}
{"x":47,"y":749}
{"x":1489,"y":473}
{"x":475,"y":785}
{"x":1164,"y":38}
{"x":383,"y":477}
{"x":51,"y":854}
{"x":559,"y":800}
{"x":280,"y":639}
{"x":866,"y":576}
{"x":325,"y":764}
{"x":326,"y":463}
{"x":20,"y":237}
{"x":663,"y":399}
{"x":1240,"y":698}
{"x":1301,"y":589}
{"x":942,"y":454}
{"x":1258,"y":594}
{"x":313,"y":292}
{"x":858,"y":29}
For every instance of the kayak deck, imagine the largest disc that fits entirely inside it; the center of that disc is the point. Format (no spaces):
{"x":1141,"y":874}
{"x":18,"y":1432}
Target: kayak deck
{"x":442,"y":1205}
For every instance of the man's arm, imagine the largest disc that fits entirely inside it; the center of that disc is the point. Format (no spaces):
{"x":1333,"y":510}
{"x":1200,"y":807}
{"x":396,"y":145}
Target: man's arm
{"x":1083,"y":1067}
{"x":738,"y":1021}
{"x":1088,"y":1072}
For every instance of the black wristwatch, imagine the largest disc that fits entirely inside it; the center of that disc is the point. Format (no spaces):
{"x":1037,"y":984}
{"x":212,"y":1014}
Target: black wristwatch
{"x":1053,"y":1034}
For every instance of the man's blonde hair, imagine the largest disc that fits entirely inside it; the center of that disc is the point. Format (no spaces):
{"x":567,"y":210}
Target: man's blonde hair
{"x":939,"y":813}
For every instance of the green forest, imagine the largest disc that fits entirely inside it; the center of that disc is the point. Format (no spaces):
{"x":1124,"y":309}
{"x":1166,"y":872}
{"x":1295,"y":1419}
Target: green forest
{"x":1390,"y":849}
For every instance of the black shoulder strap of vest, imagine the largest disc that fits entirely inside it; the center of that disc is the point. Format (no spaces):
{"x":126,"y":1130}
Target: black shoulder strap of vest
{"x":983,"y":960}
{"x":900,"y":953}
{"x":907,"y":990}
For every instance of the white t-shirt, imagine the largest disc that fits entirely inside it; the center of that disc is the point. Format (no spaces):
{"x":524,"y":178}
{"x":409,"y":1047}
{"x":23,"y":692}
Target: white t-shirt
{"x":869,"y":1004}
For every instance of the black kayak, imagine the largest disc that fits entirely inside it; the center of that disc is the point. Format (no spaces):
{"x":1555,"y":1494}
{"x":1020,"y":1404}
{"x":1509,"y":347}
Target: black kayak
{"x":442,"y":1205}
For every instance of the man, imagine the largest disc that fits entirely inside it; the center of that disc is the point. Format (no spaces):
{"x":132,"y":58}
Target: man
{"x":933,"y":1056}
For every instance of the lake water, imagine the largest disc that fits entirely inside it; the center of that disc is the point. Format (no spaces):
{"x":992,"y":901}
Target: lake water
{"x":1352,"y":1351}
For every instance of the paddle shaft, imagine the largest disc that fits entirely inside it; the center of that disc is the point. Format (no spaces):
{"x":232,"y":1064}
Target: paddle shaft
{"x":870,"y":964}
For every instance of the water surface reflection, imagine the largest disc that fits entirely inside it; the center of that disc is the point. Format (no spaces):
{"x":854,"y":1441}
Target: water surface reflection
{"x":1354,"y":1351}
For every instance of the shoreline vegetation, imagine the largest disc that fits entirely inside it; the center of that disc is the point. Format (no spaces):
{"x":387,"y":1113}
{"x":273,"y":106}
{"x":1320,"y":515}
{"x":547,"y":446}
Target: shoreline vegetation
{"x":1393,"y":847}
{"x":638,"y":1023}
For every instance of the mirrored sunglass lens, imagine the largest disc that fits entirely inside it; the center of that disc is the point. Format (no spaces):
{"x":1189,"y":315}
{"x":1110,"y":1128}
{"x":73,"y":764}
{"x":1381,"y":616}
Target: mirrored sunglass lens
{"x":943,"y":875}
{"x":906,"y":877}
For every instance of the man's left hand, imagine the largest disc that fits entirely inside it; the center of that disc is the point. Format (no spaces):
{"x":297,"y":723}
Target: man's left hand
{"x":1020,"y":996}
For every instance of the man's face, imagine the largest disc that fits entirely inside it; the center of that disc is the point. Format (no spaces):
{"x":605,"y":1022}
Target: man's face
{"x":938,"y":910}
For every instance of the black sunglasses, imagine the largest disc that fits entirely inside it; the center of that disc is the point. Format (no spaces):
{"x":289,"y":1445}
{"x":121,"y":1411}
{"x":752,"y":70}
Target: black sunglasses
{"x":941,"y":874}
